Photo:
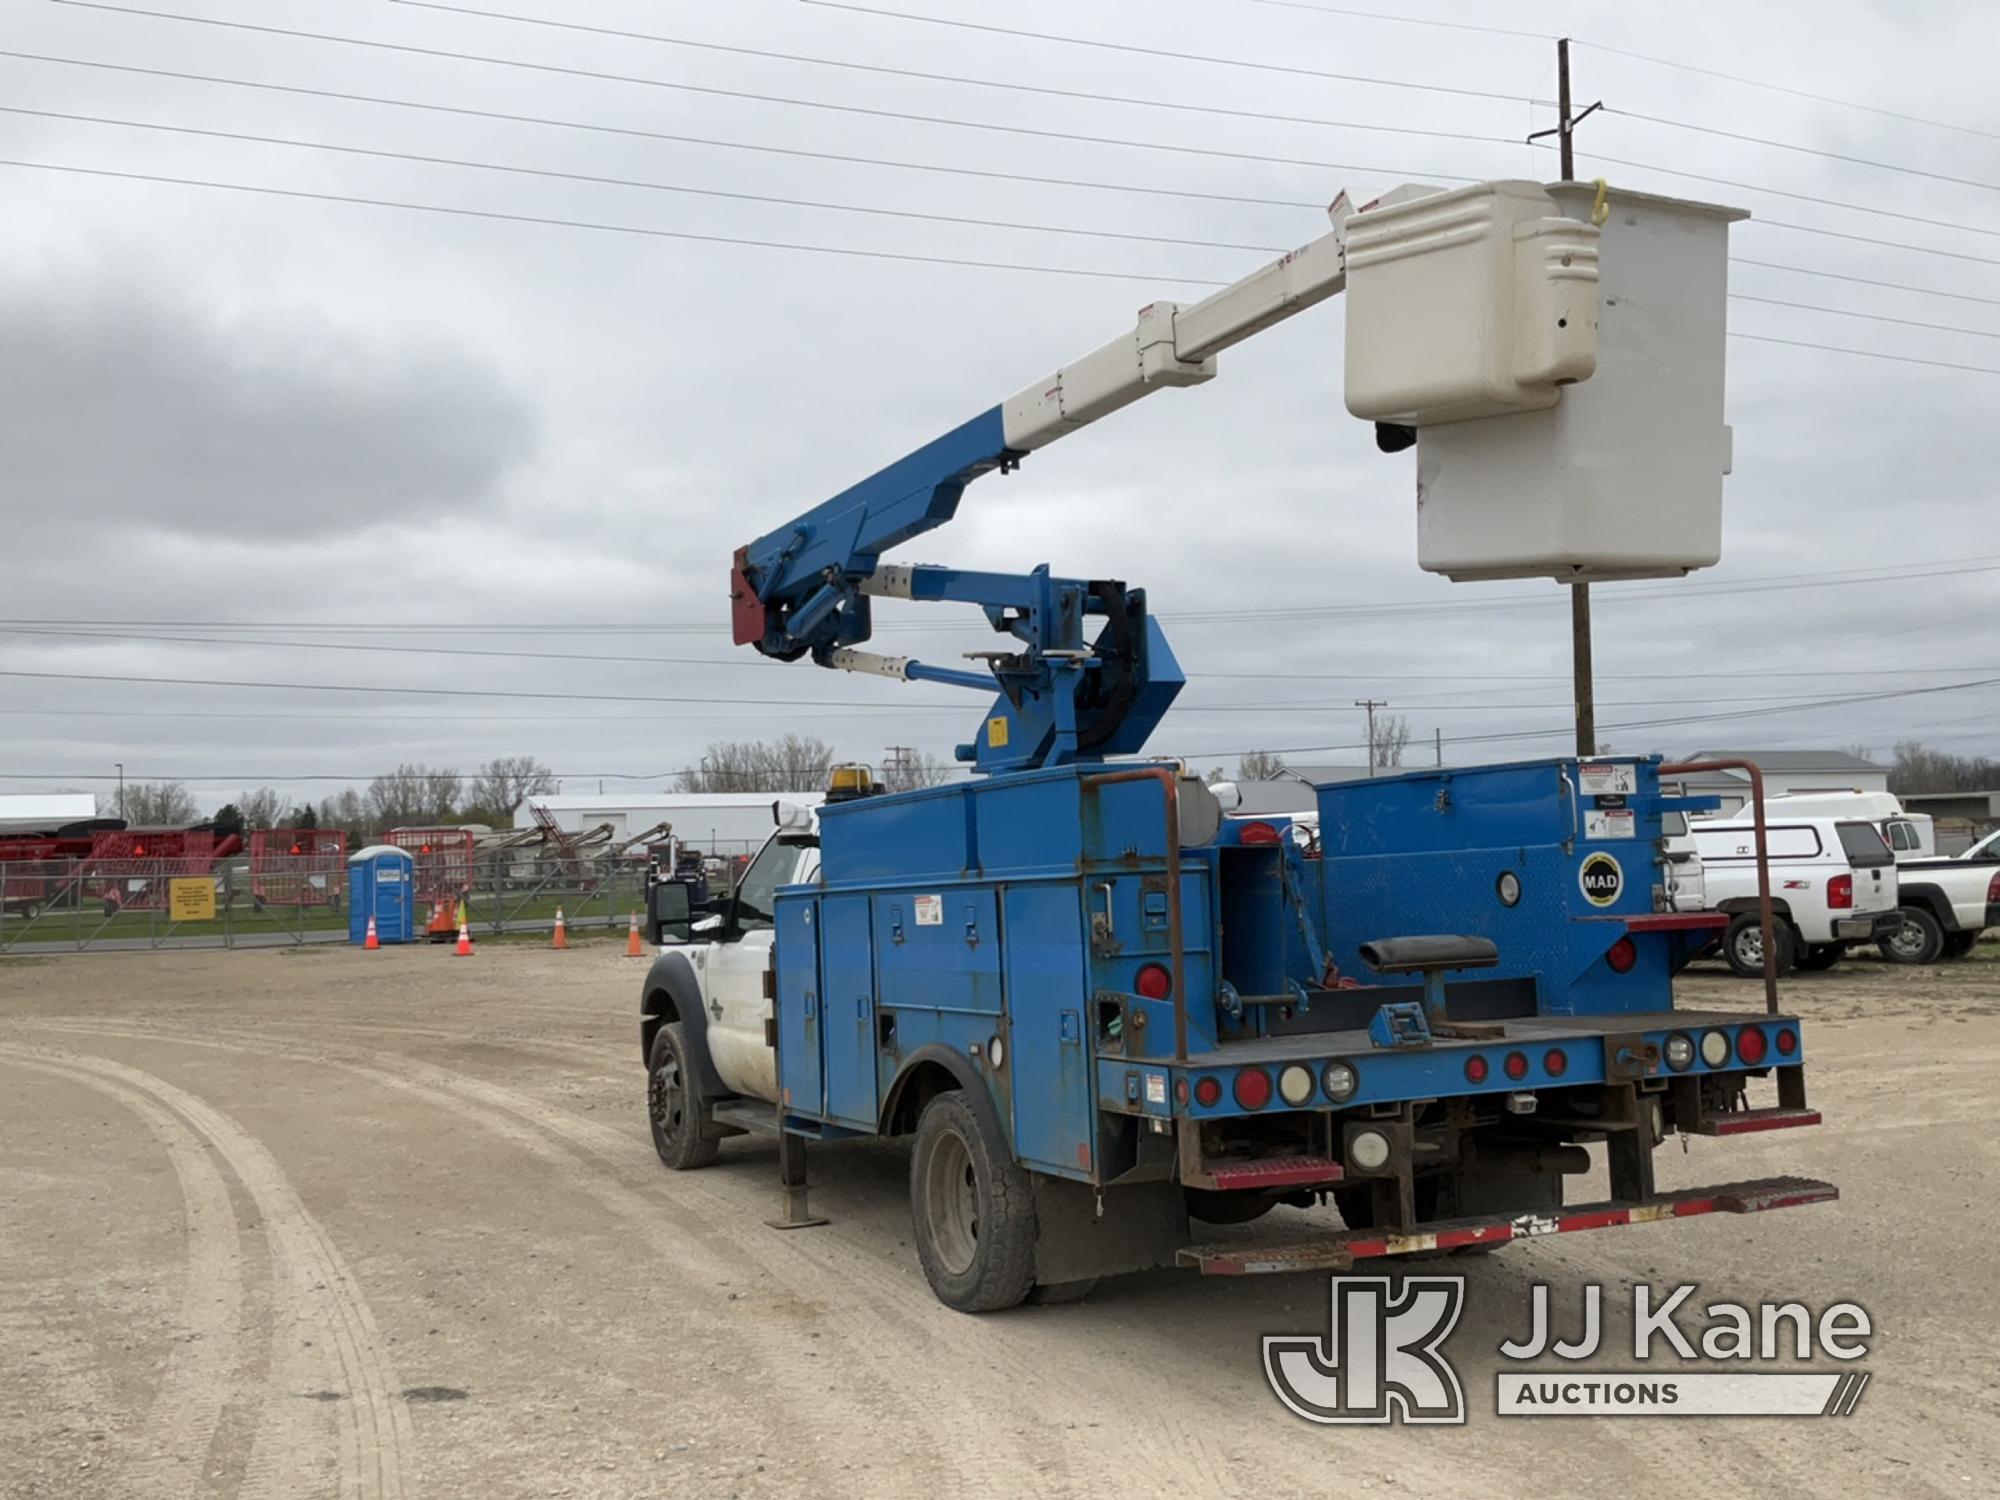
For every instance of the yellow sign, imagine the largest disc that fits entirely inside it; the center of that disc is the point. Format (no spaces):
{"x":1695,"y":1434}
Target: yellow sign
{"x":996,"y":732}
{"x":192,"y":900}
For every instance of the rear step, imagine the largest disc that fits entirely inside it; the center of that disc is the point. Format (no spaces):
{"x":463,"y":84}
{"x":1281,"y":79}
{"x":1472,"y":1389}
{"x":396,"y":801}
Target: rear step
{"x":1743,"y":1121}
{"x":1338,"y":1252}
{"x":1273,"y":1172}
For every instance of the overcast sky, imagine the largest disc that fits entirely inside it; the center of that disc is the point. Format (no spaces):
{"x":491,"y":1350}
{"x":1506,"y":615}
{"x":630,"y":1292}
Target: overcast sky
{"x":309,"y":420}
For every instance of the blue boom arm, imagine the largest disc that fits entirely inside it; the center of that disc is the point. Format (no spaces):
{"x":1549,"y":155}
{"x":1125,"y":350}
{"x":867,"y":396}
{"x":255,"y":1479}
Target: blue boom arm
{"x":1088,"y":673}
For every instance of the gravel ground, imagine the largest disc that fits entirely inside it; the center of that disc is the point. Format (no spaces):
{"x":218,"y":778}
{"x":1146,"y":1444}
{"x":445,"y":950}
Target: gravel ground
{"x":329,"y":1223}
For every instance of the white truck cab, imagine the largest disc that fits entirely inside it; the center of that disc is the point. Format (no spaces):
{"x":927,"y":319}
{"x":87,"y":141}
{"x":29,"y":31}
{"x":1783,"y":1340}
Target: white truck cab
{"x":1833,"y":884}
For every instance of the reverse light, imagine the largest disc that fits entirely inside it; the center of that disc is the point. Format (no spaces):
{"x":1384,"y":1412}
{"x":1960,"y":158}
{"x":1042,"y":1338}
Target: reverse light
{"x":1750,"y":1046}
{"x":1295,"y":1085}
{"x":1556,"y":1062}
{"x":1259,"y":833}
{"x":1476,"y":1069}
{"x":1340,"y":1081}
{"x":1788,"y":1042}
{"x":1207,"y":1092}
{"x":1715,"y":1048}
{"x":1253,"y":1088}
{"x":1840,"y":892}
{"x":1516,"y":1065}
{"x":1679,"y":1051}
{"x":1369,"y":1150}
{"x":1154,"y":982}
{"x":1622,"y":955}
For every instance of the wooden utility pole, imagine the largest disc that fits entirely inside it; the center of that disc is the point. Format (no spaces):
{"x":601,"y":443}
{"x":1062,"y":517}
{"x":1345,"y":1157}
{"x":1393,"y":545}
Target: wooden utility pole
{"x":1579,"y":593}
{"x":1371,"y":704}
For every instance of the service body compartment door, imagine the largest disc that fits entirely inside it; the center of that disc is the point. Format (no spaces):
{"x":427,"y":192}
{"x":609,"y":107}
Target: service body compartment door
{"x":939,"y":950}
{"x":1048,"y":1060}
{"x":801,"y":1082}
{"x":847,"y":1009}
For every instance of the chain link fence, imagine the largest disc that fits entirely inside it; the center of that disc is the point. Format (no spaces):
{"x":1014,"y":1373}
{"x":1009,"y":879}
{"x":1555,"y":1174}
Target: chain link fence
{"x":128,"y":904}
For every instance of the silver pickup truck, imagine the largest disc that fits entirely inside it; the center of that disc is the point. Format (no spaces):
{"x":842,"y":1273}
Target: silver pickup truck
{"x":1945,"y":904}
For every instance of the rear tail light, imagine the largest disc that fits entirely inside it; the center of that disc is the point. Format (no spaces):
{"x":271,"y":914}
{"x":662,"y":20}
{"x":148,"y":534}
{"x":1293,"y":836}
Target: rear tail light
{"x":1253,"y":1088}
{"x":1258,"y":833}
{"x":1340,"y":1081}
{"x":1516,"y":1065}
{"x":1993,"y":890}
{"x":1154,"y":982}
{"x":1840,"y":891}
{"x":1475,"y":1069}
{"x":1788,"y":1042}
{"x":1622,"y":955}
{"x":1750,"y":1045}
{"x":1556,"y":1061}
{"x":1207,"y":1092}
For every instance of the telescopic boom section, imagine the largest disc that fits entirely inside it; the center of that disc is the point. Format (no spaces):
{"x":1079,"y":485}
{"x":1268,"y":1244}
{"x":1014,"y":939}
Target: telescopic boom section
{"x":805,"y":587}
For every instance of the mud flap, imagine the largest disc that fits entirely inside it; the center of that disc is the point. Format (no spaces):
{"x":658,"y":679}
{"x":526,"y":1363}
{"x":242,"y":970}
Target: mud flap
{"x":1143,"y":1225}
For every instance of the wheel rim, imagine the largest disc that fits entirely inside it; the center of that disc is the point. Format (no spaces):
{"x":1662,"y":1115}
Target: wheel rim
{"x":666,"y":1097}
{"x":1907,"y":941}
{"x":1750,"y":946}
{"x":951,"y":1203}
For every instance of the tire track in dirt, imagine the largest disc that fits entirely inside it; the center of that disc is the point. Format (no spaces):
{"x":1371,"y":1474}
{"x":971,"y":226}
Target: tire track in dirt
{"x":199,"y":1379}
{"x":312,"y":1277}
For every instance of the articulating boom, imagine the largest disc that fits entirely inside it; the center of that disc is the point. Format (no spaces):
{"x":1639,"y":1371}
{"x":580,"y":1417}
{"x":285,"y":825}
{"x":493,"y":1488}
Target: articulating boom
{"x":1062,"y":698}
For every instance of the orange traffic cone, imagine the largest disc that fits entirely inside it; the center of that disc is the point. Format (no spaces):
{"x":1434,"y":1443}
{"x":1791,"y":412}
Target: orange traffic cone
{"x":372,"y":940}
{"x":633,"y":947}
{"x":464,"y":948}
{"x":562,"y":933}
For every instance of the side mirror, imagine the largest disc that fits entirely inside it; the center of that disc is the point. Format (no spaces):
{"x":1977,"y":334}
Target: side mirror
{"x":793,"y":817}
{"x":1228,"y":793}
{"x":673,"y":916}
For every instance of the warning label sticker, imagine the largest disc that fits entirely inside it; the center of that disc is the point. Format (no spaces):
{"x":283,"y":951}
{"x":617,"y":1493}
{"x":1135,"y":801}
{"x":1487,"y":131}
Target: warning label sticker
{"x":1610,"y":823}
{"x":1604,"y":779}
{"x":930,"y":911}
{"x":1601,"y":879}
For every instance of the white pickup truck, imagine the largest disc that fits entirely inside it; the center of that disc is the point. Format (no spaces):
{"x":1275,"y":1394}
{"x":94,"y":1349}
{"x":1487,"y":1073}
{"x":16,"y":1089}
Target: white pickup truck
{"x":1833,"y":884}
{"x":1945,"y":904}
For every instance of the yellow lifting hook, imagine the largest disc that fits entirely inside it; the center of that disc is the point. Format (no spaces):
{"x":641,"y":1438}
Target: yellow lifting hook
{"x":1599,"y":209}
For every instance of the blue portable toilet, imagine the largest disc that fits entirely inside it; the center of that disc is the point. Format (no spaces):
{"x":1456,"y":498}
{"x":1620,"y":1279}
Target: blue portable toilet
{"x":381,"y":883}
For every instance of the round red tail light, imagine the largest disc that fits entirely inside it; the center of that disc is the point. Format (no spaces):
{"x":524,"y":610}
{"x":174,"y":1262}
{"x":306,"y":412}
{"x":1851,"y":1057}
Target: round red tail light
{"x":1750,"y":1045}
{"x":1258,"y":833}
{"x":1154,"y":982}
{"x":1788,"y":1042}
{"x":1516,"y":1065}
{"x":1253,"y":1088}
{"x":1475,"y":1069}
{"x":1556,"y":1061}
{"x":1622,"y":955}
{"x":1207,"y":1092}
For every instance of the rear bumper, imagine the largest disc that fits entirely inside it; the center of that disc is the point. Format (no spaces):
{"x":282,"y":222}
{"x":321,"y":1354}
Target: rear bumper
{"x":1339,"y":1252}
{"x":1867,"y":927}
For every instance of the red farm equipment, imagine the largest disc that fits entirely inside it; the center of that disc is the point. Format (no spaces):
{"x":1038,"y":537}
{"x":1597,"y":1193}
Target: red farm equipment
{"x":298,"y":867}
{"x":442,"y":861}
{"x":131,"y":869}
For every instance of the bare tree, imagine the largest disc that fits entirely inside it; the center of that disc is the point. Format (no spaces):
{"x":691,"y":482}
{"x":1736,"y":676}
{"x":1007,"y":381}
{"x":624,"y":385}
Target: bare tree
{"x":262,"y":808}
{"x":346,"y":810}
{"x":504,"y":783}
{"x":414,"y":796}
{"x":1392,"y":737}
{"x":1918,"y":768}
{"x":158,"y":804}
{"x":909,"y":769}
{"x":795,"y":763}
{"x":1259,"y":765}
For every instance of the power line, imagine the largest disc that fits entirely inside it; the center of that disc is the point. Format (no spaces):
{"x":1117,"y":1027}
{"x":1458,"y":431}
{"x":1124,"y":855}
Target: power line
{"x":1779,"y":88}
{"x":600,"y":76}
{"x":1842,"y":312}
{"x":1839,"y":156}
{"x":632,"y":182}
{"x":952,"y":78}
{"x":1160,"y":52}
{"x":1862,"y":239}
{"x":1376,"y":15}
{"x":637,"y":133}
{"x":633,"y":229}
{"x":1894,"y":286}
{"x":1907,"y":359}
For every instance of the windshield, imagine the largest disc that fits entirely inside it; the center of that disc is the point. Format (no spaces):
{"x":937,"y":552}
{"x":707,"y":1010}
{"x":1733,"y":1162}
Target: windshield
{"x":1864,"y":845}
{"x":776,"y":864}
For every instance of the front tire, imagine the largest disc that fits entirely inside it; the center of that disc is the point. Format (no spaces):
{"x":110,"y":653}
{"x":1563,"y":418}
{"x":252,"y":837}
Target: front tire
{"x":680,"y":1116}
{"x":1918,"y":941}
{"x":973,"y":1210}
{"x":1743,"y":946}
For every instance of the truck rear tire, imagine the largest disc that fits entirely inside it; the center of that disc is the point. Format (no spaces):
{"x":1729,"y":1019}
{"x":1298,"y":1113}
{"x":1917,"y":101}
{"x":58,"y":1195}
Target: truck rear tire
{"x":1212,"y":1207}
{"x":1820,"y":956}
{"x":1959,"y":944}
{"x":1918,"y":941}
{"x":680,"y":1116}
{"x":1743,"y":945}
{"x":973,"y":1210}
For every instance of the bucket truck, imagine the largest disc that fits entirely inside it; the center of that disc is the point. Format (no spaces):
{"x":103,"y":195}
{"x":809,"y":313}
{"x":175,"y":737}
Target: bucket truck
{"x":1107,"y":1015}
